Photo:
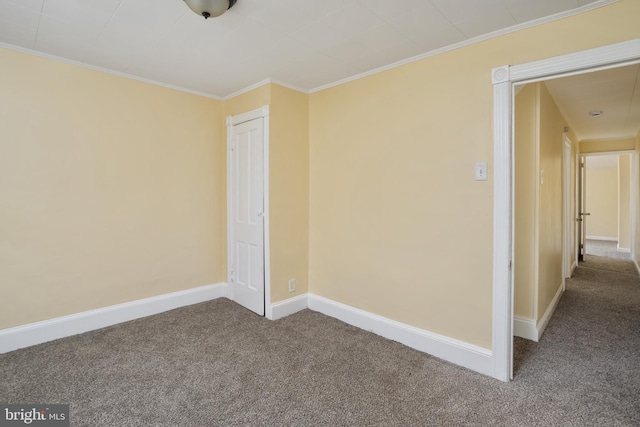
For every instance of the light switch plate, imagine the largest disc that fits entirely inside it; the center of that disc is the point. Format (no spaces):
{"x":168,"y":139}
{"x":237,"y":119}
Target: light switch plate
{"x":481,"y":171}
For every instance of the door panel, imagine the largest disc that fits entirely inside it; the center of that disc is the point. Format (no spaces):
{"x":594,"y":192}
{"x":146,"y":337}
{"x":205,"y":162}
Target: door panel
{"x":247,"y":270}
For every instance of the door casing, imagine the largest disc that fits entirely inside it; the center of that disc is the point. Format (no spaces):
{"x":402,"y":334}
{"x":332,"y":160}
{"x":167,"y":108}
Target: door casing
{"x":504,"y":79}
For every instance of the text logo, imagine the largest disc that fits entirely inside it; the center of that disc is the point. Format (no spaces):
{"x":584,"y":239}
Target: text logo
{"x":40,"y":415}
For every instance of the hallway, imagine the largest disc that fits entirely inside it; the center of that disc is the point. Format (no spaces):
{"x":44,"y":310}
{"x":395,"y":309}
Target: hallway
{"x":590,"y":352}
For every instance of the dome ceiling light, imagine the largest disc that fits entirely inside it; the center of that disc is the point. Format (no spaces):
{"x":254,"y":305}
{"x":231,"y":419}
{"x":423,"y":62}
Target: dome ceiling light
{"x":210,"y":8}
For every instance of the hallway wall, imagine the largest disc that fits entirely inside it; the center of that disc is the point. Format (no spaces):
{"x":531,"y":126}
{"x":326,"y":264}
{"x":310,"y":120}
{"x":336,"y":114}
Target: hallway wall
{"x":539,"y":126}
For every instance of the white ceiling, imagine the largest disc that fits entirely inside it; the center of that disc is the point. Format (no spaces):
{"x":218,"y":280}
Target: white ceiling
{"x":305,"y":44}
{"x":615,"y":92}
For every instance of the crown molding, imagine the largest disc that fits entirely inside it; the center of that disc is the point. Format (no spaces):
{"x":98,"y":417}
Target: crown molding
{"x":262,"y":83}
{"x":540,"y":21}
{"x":105,"y":70}
{"x":469,"y":42}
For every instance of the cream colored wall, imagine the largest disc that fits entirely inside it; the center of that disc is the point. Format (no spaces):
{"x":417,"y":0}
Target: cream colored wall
{"x":104,"y":203}
{"x":602,"y":202}
{"x":398,"y":226}
{"x":607,"y":145}
{"x":112,"y":190}
{"x":525,"y":226}
{"x":549,"y":174}
{"x":289,"y":191}
{"x":624,"y":201}
{"x":539,"y":127}
{"x":248,"y":101}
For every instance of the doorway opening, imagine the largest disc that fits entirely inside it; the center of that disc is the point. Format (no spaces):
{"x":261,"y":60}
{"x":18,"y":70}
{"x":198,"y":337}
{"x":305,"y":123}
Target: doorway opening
{"x":504,"y":81}
{"x":607,"y":201}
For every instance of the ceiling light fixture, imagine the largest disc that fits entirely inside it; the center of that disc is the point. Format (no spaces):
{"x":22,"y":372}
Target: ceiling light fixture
{"x":210,"y":8}
{"x":595,"y":113}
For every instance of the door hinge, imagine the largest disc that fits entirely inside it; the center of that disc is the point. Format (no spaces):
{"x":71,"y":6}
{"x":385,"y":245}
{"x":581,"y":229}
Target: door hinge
{"x":510,"y":264}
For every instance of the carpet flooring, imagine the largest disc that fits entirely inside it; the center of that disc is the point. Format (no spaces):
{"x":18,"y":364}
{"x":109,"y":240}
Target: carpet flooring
{"x":216,"y":364}
{"x":605,"y":249}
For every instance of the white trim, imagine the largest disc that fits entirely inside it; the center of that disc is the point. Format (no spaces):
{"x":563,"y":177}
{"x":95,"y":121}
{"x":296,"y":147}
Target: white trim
{"x":637,"y":265}
{"x":473,"y":40}
{"x":230,"y":227}
{"x":527,"y":328}
{"x":542,"y":324}
{"x":289,"y":86}
{"x":567,"y":217}
{"x":267,"y":218}
{"x":262,"y":112}
{"x":470,"y":41}
{"x":246,"y":89}
{"x":289,"y":306}
{"x":502,"y":322}
{"x":461,"y":353}
{"x":524,"y":327}
{"x":573,"y":266}
{"x":603,"y":238}
{"x":262,"y":83}
{"x":65,"y":326}
{"x":106,"y":70}
{"x":623,"y":250}
{"x":581,"y":62}
{"x":248,"y":116}
{"x":578,"y":197}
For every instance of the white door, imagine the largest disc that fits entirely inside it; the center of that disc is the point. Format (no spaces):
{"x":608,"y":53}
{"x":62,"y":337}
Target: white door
{"x":582,"y":216}
{"x":247,"y":213}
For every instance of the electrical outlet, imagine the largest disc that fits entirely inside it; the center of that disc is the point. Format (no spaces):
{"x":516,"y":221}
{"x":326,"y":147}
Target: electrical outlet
{"x":292,"y":285}
{"x":481,"y":171}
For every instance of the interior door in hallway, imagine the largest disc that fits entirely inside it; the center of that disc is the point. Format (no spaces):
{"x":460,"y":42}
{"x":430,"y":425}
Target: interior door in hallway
{"x":247,"y":273}
{"x":582,"y":215}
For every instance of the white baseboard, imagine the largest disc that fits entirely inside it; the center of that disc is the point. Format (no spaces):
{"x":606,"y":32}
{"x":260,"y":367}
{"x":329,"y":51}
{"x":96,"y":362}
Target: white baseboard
{"x":573,"y":267}
{"x":542,"y":324}
{"x":637,"y":265}
{"x":624,"y":250}
{"x":289,"y":306}
{"x":604,"y":238}
{"x":60,"y":327}
{"x":461,"y":353}
{"x":525,"y":328}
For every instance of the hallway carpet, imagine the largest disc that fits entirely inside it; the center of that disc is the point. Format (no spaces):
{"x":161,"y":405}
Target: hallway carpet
{"x":216,"y":364}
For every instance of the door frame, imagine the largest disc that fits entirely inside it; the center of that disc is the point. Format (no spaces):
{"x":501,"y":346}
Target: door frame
{"x":263,"y":113}
{"x":582,"y":207}
{"x":503,"y":79}
{"x":633,"y":195}
{"x":578,"y":223}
